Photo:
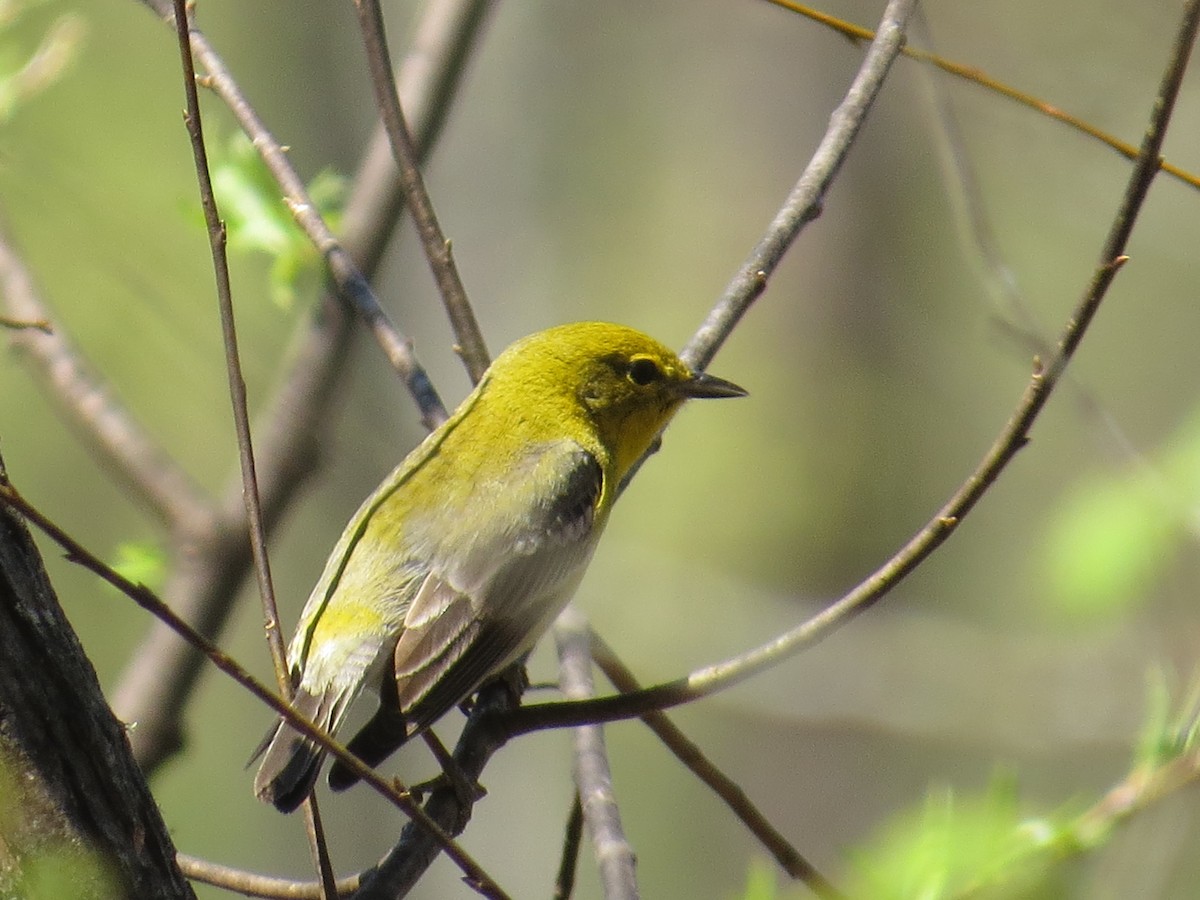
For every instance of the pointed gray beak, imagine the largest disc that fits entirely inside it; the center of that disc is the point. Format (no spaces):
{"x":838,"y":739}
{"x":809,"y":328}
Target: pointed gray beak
{"x":704,"y":385}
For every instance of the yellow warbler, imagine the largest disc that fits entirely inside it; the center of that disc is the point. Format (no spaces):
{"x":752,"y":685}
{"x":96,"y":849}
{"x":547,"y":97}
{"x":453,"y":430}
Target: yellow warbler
{"x":462,"y":558}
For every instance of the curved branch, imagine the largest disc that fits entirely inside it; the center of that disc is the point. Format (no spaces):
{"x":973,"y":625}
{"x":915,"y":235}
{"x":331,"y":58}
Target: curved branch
{"x":251,"y":884}
{"x":1011,"y":439}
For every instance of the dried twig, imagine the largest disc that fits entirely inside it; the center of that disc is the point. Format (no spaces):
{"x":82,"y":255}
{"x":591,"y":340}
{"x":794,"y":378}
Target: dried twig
{"x":251,"y":884}
{"x":471,"y":346}
{"x":564,"y":881}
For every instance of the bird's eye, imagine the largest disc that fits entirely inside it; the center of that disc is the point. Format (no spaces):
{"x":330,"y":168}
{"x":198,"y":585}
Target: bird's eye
{"x":644,"y":371}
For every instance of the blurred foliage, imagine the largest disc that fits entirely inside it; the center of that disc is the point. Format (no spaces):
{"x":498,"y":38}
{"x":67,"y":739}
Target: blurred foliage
{"x":957,"y":846}
{"x":760,"y":881}
{"x":143,"y":563}
{"x":258,"y":221}
{"x":987,"y":846}
{"x":1116,"y":533}
{"x":39,"y":858}
{"x":24,"y":72}
{"x":618,"y":162}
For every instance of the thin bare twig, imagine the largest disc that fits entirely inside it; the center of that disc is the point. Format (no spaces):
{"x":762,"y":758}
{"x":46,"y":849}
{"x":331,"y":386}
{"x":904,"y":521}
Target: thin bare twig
{"x":315,"y":832}
{"x":211,"y":560}
{"x":352,"y":284}
{"x":804,"y":202}
{"x":593,"y":776}
{"x":398,"y":796}
{"x":564,"y":882}
{"x":975,"y":75}
{"x":252,"y":884}
{"x":471,"y":346}
{"x":1011,"y":439}
{"x":688,"y":753}
{"x":241,"y":418}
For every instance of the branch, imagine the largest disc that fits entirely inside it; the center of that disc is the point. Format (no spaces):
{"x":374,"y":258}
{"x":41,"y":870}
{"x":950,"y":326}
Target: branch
{"x":1011,"y":439}
{"x":212,"y":562}
{"x":564,"y":882}
{"x":146,"y":599}
{"x":353,"y":286}
{"x":471,"y":346}
{"x":688,"y":753}
{"x":593,"y":777}
{"x":252,"y":884}
{"x":804,"y":203}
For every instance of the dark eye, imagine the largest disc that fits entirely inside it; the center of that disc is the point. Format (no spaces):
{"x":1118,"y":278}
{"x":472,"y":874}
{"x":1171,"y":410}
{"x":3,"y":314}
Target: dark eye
{"x":644,"y":371}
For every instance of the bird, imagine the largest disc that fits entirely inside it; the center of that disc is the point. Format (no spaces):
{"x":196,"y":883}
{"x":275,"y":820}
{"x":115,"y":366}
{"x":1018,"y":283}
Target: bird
{"x":461,"y":559}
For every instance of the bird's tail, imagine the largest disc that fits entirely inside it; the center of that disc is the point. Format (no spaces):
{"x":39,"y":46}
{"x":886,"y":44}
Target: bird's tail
{"x":292,"y":760}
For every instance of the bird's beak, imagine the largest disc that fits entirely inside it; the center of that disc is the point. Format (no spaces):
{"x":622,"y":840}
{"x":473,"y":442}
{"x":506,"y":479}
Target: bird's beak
{"x":702,"y":384}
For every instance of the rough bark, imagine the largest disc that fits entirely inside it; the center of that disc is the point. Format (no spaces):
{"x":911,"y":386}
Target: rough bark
{"x":75,"y":809}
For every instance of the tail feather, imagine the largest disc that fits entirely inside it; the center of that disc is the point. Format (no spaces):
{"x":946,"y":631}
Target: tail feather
{"x":289,"y":769}
{"x":291,"y":760}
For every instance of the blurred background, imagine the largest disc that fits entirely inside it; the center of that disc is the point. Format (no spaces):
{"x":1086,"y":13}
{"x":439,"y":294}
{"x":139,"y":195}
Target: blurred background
{"x":618,"y":161}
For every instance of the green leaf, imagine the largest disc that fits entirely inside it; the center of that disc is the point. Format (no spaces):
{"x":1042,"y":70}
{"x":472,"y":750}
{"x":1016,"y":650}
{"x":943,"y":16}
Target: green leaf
{"x":257,"y":220}
{"x":760,"y":881}
{"x":1116,"y":533}
{"x":142,"y":562}
{"x":958,"y":847}
{"x":1108,"y":542}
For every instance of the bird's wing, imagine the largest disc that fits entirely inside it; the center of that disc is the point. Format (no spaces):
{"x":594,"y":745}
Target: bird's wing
{"x":479,"y":611}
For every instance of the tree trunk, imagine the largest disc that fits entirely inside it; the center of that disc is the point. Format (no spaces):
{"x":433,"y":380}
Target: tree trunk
{"x":76,"y":816}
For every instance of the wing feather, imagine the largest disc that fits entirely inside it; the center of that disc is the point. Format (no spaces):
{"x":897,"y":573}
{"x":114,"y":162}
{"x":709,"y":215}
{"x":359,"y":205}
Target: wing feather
{"x":489,"y":594}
